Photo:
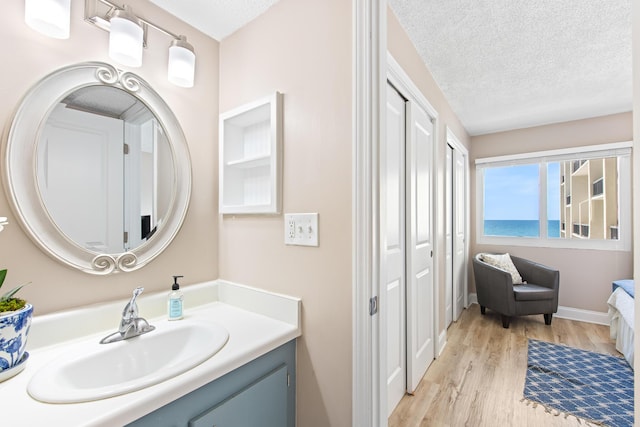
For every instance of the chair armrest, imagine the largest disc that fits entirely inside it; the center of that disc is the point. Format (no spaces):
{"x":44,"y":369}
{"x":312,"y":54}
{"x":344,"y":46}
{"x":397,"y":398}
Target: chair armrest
{"x":536,"y":273}
{"x":494,"y":287}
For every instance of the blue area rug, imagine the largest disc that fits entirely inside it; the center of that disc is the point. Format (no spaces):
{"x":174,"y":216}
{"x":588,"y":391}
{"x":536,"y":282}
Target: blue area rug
{"x":592,"y":386}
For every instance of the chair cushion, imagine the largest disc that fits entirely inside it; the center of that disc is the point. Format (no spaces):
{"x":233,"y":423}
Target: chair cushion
{"x":531,"y":292}
{"x":503,"y":262}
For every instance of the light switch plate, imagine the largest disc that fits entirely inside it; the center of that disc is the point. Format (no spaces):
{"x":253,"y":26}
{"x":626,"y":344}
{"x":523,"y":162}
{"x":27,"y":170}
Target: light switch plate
{"x":301,"y":229}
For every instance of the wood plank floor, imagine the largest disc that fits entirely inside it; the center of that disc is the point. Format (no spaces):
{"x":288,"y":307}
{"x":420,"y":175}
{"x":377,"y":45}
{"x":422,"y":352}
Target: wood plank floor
{"x":479,"y":378}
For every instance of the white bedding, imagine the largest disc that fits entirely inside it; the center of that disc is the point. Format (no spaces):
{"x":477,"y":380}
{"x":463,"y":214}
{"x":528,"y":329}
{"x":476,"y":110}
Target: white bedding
{"x":621,"y":318}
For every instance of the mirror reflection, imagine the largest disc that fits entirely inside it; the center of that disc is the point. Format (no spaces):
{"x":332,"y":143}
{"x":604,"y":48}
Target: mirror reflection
{"x":105,"y":169}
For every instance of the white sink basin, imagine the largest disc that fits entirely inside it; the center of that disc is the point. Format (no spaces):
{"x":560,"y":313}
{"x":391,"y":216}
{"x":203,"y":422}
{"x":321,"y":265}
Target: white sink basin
{"x":92,"y":371}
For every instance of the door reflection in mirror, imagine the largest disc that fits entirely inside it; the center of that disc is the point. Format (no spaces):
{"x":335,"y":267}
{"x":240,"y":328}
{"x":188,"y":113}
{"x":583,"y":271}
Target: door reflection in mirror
{"x":105,"y":169}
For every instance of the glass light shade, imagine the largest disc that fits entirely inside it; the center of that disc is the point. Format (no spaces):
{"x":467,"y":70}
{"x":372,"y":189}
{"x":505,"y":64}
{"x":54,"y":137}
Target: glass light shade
{"x":126,"y":39}
{"x":49,"y":17}
{"x":182,"y":63}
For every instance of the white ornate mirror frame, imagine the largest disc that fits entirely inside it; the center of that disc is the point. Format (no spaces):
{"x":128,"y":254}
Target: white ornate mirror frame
{"x":20,"y":141}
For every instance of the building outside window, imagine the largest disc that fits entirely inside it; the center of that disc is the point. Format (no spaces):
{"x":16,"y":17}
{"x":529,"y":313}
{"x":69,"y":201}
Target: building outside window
{"x":576,"y":198}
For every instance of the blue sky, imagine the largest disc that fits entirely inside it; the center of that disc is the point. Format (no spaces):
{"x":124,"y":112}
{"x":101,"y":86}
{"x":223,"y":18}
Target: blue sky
{"x":512,"y":192}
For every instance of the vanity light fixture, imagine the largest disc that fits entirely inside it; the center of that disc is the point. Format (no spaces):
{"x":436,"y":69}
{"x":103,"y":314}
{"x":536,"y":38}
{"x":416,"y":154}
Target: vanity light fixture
{"x":182,"y":62}
{"x":128,"y":37}
{"x":49,"y":17}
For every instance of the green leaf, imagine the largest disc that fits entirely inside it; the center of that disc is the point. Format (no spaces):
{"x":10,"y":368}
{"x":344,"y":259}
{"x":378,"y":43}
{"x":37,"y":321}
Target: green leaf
{"x":12,"y":292}
{"x":3,"y":274}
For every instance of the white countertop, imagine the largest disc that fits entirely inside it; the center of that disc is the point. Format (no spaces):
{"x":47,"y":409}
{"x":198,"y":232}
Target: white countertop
{"x":257,"y":322}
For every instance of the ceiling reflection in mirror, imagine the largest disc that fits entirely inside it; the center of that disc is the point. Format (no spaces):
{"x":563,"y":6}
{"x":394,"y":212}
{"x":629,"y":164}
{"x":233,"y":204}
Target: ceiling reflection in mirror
{"x":104,"y":169}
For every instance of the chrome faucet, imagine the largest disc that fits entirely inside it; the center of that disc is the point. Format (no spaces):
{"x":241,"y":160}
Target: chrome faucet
{"x":130,"y":325}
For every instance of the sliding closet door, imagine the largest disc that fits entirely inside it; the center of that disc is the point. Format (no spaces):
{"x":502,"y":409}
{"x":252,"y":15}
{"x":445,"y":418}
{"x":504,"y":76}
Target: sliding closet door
{"x":420,"y":291}
{"x":393,"y":247}
{"x":449,"y":284}
{"x":460,"y":233}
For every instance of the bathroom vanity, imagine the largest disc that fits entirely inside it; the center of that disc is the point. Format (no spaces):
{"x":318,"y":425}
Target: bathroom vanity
{"x":249,"y":381}
{"x":230,"y":359}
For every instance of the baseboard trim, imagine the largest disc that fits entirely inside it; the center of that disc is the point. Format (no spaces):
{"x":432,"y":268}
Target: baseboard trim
{"x":473,"y":299}
{"x":569,"y":313}
{"x":581,"y":315}
{"x":442,"y":342}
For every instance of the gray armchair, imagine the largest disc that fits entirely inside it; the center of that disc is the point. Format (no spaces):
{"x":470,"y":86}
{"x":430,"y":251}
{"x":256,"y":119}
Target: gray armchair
{"x":496,"y":291}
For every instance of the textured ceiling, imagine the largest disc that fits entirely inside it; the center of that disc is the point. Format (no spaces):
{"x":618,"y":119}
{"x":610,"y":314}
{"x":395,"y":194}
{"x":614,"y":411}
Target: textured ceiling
{"x":101,"y":100}
{"x":507,"y":64}
{"x":502,"y":64}
{"x":216,"y":18}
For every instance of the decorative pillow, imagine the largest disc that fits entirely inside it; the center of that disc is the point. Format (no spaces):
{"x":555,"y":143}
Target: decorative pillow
{"x":503,"y":262}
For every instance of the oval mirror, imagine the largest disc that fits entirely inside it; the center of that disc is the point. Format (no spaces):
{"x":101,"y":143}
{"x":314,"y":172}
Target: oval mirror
{"x":97,"y":169}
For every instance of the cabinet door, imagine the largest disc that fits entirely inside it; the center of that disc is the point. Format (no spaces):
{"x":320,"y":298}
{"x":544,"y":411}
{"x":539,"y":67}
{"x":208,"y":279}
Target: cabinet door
{"x":263,"y":403}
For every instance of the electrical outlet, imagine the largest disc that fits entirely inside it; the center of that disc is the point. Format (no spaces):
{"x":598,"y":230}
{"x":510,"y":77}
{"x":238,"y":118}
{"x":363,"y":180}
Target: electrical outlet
{"x":301,"y":229}
{"x":291,"y":228}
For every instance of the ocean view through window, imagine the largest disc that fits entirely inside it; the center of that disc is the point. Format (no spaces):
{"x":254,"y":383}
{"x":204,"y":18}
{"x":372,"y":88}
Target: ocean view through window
{"x":511,"y":205}
{"x":579,"y":199}
{"x":519,"y":228}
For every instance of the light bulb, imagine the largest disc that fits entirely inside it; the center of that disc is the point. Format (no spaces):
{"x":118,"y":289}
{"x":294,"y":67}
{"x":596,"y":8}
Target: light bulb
{"x":49,"y":17}
{"x":126,"y":39}
{"x":182,"y":63}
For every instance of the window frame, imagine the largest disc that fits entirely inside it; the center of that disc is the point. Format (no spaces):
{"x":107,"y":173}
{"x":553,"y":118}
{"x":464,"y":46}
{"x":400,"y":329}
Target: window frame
{"x":621,"y":150}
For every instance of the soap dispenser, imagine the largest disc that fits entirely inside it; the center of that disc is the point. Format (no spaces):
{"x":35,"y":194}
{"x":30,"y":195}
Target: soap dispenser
{"x":174,"y":306}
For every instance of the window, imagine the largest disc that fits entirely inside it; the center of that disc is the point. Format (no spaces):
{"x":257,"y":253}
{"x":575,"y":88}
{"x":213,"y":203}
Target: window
{"x":511,"y":206}
{"x":577,"y":198}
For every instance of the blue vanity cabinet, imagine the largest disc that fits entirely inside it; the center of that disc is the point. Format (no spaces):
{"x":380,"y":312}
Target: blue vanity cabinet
{"x":263,"y":403}
{"x":260,"y":393}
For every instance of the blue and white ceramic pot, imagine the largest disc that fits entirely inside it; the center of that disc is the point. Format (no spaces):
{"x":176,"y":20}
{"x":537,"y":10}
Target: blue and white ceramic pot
{"x":14,"y":328}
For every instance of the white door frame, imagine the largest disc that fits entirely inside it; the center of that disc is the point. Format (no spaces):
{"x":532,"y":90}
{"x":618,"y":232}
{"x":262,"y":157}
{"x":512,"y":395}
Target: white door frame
{"x":368,"y":98}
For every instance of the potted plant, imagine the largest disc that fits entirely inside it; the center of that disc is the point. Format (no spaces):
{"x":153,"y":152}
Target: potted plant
{"x":15,"y":320}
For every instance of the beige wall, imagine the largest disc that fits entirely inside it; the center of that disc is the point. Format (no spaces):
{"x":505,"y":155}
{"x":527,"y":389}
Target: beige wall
{"x":301,"y":48}
{"x":406,"y":55}
{"x":585,"y":275}
{"x":28,"y":57}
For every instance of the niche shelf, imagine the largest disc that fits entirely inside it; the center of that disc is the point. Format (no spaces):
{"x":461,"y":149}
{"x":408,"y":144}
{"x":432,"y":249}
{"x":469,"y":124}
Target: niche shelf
{"x":251,"y":157}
